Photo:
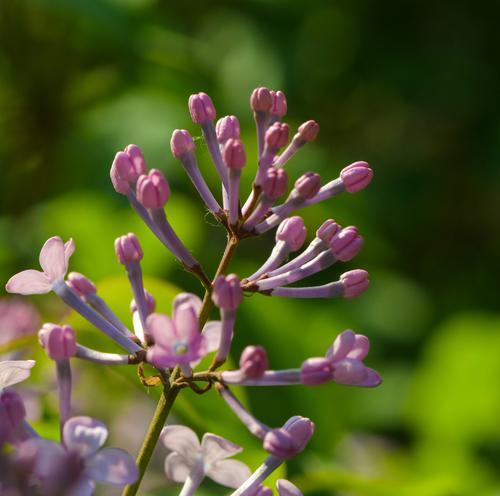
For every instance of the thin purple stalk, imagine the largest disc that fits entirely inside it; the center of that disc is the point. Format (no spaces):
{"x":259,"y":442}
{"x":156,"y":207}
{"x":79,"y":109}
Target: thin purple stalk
{"x":278,"y":254}
{"x":210,"y":136}
{"x":257,"y":215}
{"x":226,"y":338}
{"x":330,"y":290}
{"x":271,"y":463}
{"x":261,"y":125}
{"x":100,"y":357}
{"x":234,"y":196}
{"x":286,"y":377}
{"x":98,"y":304}
{"x":193,"y":481}
{"x":64,"y":387}
{"x":134,"y":273}
{"x":293,"y":202}
{"x":329,"y":190}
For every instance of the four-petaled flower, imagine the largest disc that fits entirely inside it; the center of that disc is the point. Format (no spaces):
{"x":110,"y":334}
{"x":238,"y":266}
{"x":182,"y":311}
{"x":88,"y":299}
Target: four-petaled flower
{"x":54,"y":257}
{"x":191,"y":458}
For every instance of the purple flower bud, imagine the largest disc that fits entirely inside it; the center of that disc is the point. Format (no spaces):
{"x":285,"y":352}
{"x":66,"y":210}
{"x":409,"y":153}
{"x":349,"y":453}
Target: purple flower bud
{"x":80,"y":284}
{"x":286,"y":488}
{"x":12,"y":411}
{"x":150,"y":303}
{"x":356,"y":176}
{"x":137,"y":159}
{"x":181,"y":142}
{"x":309,"y":130}
{"x":227,"y":293}
{"x":308,"y":185}
{"x":234,"y":154}
{"x":355,"y":282}
{"x":201,"y":108}
{"x":346,"y":244}
{"x":275,"y":183}
{"x":124,"y":167}
{"x":292,"y":231}
{"x":301,"y":429}
{"x":277,"y":135}
{"x":316,"y":371}
{"x":119,"y":184}
{"x":291,"y":439}
{"x":128,"y":249}
{"x":279,"y":106}
{"x":254,"y":362}
{"x":261,"y":100}
{"x":59,"y":341}
{"x":153,"y":190}
{"x":227,"y":127}
{"x":327,"y":230}
{"x":349,"y":371}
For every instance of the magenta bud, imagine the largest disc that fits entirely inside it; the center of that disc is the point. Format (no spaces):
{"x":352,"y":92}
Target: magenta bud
{"x":346,"y":244}
{"x":301,"y":429}
{"x":234,"y":154}
{"x":124,"y":167}
{"x":308,"y":185}
{"x":261,"y":100}
{"x":279,"y":106}
{"x":201,"y":108}
{"x":181,"y":142}
{"x":277,"y":135}
{"x":355,"y":282}
{"x":137,"y":159}
{"x":80,"y":284}
{"x":150,"y":303}
{"x":356,"y":176}
{"x":291,"y":439}
{"x":119,"y":184}
{"x":227,"y":293}
{"x":275,"y":183}
{"x":12,"y":411}
{"x":309,"y":130}
{"x":152,"y":190}
{"x":59,"y":341}
{"x":327,"y":230}
{"x":254,"y":362}
{"x":292,"y":231}
{"x":227,"y":127}
{"x":286,"y":488}
{"x":128,"y":249}
{"x":316,"y":371}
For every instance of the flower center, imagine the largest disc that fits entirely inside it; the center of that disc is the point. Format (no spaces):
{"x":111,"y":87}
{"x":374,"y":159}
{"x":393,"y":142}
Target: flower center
{"x":181,"y":348}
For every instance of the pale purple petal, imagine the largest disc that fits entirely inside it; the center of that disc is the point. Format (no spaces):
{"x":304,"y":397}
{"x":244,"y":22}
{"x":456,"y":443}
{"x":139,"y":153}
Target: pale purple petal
{"x":229,"y":473}
{"x":212,"y":332}
{"x":162,"y":329}
{"x":53,"y":259}
{"x":349,"y":371}
{"x":14,"y":371}
{"x":341,"y":346}
{"x":84,"y":435}
{"x":49,"y":456}
{"x":69,"y":249}
{"x":182,"y":440}
{"x":372,"y":379}
{"x":113,"y":466}
{"x":186,"y":322}
{"x":360,"y":348}
{"x":29,"y":282}
{"x":84,"y":487}
{"x":286,"y":488}
{"x":217,"y":448}
{"x":177,"y":468}
{"x":189,"y":298}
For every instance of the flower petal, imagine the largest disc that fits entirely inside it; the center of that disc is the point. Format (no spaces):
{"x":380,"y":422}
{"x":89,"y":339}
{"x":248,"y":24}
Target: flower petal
{"x":113,"y":466}
{"x":217,"y":448}
{"x":188,"y":298}
{"x":53,"y":259}
{"x":286,"y":488}
{"x":69,"y":249}
{"x":212,"y":332}
{"x":360,"y":348}
{"x":84,"y":435}
{"x":341,"y":346}
{"x":182,"y":440}
{"x":84,"y":487}
{"x":176,"y":467}
{"x":29,"y":282}
{"x":14,"y":371}
{"x":186,"y":322}
{"x":48,"y":456}
{"x":349,"y":371}
{"x":372,"y":379}
{"x":162,"y":329}
{"x":229,"y":473}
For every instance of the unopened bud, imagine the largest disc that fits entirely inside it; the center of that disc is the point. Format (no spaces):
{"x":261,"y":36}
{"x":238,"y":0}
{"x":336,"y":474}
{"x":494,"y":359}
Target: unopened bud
{"x":355,"y":282}
{"x":327,"y":230}
{"x":80,"y":284}
{"x":227,"y":127}
{"x":316,"y":371}
{"x":59,"y":341}
{"x":254,"y":361}
{"x":234,"y":154}
{"x":275,"y":183}
{"x":181,"y":142}
{"x":128,"y":249}
{"x":279,"y":106}
{"x":346,"y":244}
{"x":356,"y":176}
{"x":277,"y":135}
{"x":308,"y":185}
{"x":261,"y":100}
{"x":152,"y":190}
{"x":201,"y":108}
{"x":227,"y":293}
{"x":292,"y":231}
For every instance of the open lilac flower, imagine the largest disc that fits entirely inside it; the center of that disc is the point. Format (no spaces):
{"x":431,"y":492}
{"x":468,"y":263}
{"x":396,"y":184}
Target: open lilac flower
{"x":208,"y":458}
{"x":79,"y":461}
{"x":54,"y":258}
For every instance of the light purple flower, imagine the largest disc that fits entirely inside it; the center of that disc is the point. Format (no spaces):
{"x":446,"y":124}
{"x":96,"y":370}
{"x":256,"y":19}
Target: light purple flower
{"x":54,"y":258}
{"x":210,"y":456}
{"x":14,"y":371}
{"x":18,"y":318}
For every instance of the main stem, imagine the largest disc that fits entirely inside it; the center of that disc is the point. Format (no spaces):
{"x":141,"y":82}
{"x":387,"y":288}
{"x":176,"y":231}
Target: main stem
{"x":170,"y":392}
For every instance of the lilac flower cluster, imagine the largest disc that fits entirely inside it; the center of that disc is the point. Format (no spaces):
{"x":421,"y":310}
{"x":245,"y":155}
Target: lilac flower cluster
{"x":174,"y":345}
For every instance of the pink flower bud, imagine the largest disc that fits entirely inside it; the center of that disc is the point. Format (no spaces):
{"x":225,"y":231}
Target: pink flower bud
{"x":201,"y":108}
{"x":234,"y":154}
{"x":327,"y":230}
{"x":292,"y":231}
{"x":286,"y":488}
{"x":277,"y":135}
{"x":291,"y":439}
{"x":355,"y":282}
{"x":308,"y":185}
{"x":120,"y":185}
{"x":124,"y":167}
{"x":181,"y":142}
{"x":227,"y":293}
{"x":279,"y":106}
{"x":12,"y":411}
{"x":301,"y":429}
{"x":80,"y":284}
{"x":309,"y":130}
{"x":152,"y":190}
{"x":356,"y":176}
{"x":254,"y":362}
{"x":275,"y":183}
{"x":150,"y":303}
{"x":346,"y":244}
{"x":226,"y":128}
{"x":59,"y":341}
{"x":128,"y":249}
{"x":261,"y":100}
{"x":316,"y":371}
{"x":137,"y":159}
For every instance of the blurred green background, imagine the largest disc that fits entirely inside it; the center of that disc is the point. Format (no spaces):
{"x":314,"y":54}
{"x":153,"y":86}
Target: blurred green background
{"x":411,"y":87}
